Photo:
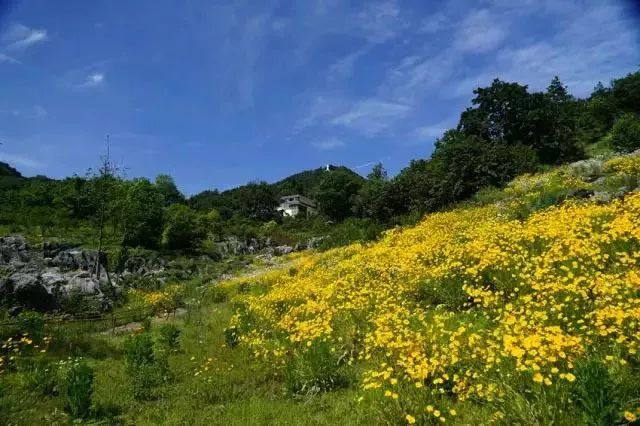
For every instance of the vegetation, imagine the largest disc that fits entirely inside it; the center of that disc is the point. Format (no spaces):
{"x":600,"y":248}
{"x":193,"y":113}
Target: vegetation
{"x":513,"y":301}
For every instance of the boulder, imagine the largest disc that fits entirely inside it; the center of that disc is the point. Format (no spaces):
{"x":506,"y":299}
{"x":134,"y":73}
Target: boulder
{"x":13,"y":250}
{"x":280,"y":250}
{"x":30,"y":291}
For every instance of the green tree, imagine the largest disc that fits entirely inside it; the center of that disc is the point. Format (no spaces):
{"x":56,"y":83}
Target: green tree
{"x":625,"y":135}
{"x":337,"y":192}
{"x":182,"y":228}
{"x":371,"y":199}
{"x":168,"y":189}
{"x":255,"y":201}
{"x":143,"y":215}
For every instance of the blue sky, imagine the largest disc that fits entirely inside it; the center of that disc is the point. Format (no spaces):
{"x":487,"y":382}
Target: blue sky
{"x":219,"y":93}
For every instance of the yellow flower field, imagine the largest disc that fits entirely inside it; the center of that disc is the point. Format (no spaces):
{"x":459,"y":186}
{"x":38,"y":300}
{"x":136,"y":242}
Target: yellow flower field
{"x":466,"y":309}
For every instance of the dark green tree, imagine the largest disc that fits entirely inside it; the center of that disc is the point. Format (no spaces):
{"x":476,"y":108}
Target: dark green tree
{"x":143,"y":215}
{"x":625,"y":135}
{"x":168,"y":189}
{"x":336,"y":193}
{"x":371,"y":199}
{"x":183,"y":228}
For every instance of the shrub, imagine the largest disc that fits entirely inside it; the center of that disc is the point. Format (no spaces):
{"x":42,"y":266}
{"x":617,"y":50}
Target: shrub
{"x":30,"y":323}
{"x":138,"y":351}
{"x":78,"y":389}
{"x":625,"y":135}
{"x":147,"y":368}
{"x":169,"y":336}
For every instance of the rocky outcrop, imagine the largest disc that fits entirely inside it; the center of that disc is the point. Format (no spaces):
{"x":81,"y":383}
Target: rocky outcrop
{"x":46,"y":280}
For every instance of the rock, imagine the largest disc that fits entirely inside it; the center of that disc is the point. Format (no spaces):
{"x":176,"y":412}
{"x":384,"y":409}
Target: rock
{"x":601,"y":197}
{"x":29,"y":290}
{"x":13,"y":250}
{"x":6,"y":290}
{"x":315,"y":242}
{"x":50,"y":249}
{"x":281,"y":250}
{"x":75,"y":259}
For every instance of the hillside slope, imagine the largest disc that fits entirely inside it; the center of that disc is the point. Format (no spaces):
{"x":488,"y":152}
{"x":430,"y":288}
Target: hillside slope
{"x":511,"y":310}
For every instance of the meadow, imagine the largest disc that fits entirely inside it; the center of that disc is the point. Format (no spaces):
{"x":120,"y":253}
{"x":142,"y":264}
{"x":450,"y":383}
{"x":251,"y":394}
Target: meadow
{"x":519,"y":307}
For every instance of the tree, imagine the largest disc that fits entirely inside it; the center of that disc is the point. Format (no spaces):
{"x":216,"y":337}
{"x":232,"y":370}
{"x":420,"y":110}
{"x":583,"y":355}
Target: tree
{"x":182,"y":228}
{"x":625,"y":135}
{"x":143,"y":215}
{"x":508,"y":113}
{"x":336,"y":193}
{"x":371,"y":199}
{"x":256,"y":201}
{"x":168,"y":189}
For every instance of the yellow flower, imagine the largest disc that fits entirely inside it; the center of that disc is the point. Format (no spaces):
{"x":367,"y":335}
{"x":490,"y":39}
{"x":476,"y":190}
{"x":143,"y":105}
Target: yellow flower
{"x":570,"y":377}
{"x":629,"y":416}
{"x":453,"y":412}
{"x":410,"y":419}
{"x":538,"y":378}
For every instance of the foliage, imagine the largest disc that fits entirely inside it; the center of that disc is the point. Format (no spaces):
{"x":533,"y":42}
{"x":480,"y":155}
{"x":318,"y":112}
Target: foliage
{"x":143,"y":216}
{"x":182,"y":228}
{"x":30,"y":323}
{"x":77,"y":388}
{"x":146,"y":366}
{"x":336,"y":193}
{"x":625,"y":135}
{"x":169,"y":336}
{"x":168,"y":190}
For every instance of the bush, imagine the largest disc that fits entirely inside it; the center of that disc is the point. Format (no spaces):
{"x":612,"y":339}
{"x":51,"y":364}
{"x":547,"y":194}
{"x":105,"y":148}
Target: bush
{"x":625,"y":135}
{"x":31,"y":323}
{"x":78,"y":389}
{"x":147,"y":368}
{"x":138,"y":351}
{"x":169,"y":336}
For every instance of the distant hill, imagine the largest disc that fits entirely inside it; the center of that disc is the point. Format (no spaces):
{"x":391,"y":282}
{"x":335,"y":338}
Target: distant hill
{"x":304,"y":183}
{"x":7,"y":170}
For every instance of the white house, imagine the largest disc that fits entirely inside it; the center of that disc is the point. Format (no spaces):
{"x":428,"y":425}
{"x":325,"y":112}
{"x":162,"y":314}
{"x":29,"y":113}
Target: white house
{"x":293,"y":205}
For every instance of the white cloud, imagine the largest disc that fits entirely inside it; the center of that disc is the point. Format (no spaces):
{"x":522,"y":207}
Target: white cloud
{"x":580,"y":57}
{"x":19,"y":160}
{"x":480,"y":32}
{"x":371,"y":116}
{"x":93,"y":80}
{"x":7,"y":58}
{"x":329,"y":144}
{"x":412,"y":79}
{"x":343,"y":68}
{"x":20,"y":37}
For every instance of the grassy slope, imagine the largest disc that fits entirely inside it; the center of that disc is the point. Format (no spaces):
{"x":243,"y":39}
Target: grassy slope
{"x":242,"y":391}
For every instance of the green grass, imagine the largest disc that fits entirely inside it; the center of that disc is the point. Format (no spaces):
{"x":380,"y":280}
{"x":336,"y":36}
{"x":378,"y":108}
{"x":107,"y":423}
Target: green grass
{"x":237,"y":390}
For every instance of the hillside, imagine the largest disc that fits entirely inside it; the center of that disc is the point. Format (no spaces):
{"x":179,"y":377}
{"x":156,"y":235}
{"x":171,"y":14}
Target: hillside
{"x":517,"y":307}
{"x":516,"y":311}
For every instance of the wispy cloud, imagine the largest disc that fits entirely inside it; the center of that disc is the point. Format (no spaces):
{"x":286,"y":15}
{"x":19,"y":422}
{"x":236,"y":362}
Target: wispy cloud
{"x":20,"y":37}
{"x":371,"y":116}
{"x":7,"y":58}
{"x":328,"y":144}
{"x":93,"y":80}
{"x":481,"y":31}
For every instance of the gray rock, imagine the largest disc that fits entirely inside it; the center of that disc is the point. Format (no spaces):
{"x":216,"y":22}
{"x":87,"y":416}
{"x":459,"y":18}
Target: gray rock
{"x":280,"y":250}
{"x":315,"y":242}
{"x":13,"y":250}
{"x":29,"y":290}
